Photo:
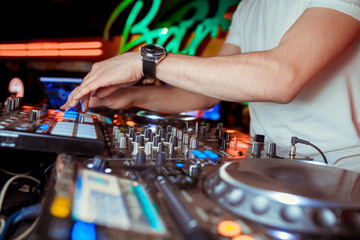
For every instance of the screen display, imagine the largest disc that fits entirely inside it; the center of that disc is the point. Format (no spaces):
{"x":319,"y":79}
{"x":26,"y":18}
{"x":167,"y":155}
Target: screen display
{"x":57,"y":89}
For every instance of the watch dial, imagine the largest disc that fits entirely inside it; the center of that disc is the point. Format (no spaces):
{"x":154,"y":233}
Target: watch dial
{"x":154,"y":49}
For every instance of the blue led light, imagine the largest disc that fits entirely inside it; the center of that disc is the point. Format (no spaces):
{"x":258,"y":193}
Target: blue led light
{"x":83,"y":231}
{"x":178,"y":164}
{"x":44,"y":126}
{"x":211,"y":154}
{"x":198,"y":154}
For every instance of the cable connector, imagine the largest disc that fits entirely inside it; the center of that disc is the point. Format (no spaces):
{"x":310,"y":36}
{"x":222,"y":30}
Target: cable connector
{"x":295,"y":140}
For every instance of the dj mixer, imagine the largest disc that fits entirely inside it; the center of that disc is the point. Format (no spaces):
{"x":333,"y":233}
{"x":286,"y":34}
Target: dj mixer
{"x":49,"y":130}
{"x":147,"y":175}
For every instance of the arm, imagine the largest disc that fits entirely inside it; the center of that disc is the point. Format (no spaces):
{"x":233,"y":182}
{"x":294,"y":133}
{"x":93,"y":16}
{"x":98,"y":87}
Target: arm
{"x":276,"y":75}
{"x":157,"y":98}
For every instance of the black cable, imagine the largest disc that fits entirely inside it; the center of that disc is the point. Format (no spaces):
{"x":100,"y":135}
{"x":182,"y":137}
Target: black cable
{"x":295,"y":140}
{"x":21,"y":215}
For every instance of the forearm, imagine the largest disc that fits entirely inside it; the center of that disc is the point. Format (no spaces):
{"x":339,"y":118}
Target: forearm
{"x":171,"y":100}
{"x":237,"y":78}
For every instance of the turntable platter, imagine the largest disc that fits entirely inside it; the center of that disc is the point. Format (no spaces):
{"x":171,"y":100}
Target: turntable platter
{"x":289,"y":195}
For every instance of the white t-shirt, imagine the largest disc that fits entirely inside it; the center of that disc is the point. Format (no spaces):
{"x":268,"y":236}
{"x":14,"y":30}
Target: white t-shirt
{"x":327,"y":111}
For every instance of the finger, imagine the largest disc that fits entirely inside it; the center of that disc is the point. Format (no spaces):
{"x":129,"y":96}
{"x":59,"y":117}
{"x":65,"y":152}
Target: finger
{"x":86,"y":88}
{"x":84,"y":102}
{"x":66,"y":106}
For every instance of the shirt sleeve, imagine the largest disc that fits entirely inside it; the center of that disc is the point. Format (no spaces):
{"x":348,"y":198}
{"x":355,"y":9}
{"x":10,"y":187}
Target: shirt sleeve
{"x":350,"y":7}
{"x":234,"y":35}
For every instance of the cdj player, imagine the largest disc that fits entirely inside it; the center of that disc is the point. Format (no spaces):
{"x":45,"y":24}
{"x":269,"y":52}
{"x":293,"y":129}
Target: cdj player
{"x":152,"y":176}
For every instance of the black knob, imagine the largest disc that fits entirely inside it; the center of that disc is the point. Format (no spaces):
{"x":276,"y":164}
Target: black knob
{"x":147,"y":133}
{"x":174,"y":141}
{"x":161,"y":133}
{"x":156,"y":141}
{"x":256,"y":150}
{"x":272,"y":150}
{"x":32,"y":116}
{"x":259,"y":138}
{"x":131,"y":133}
{"x":160,"y":158}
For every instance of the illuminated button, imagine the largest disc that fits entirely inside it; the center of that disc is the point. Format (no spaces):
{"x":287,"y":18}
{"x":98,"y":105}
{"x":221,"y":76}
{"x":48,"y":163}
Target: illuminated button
{"x":243,"y":237}
{"x":199,"y":154}
{"x":180,"y":165}
{"x":211,"y":154}
{"x":83,"y":231}
{"x":60,"y":207}
{"x":229,"y":228}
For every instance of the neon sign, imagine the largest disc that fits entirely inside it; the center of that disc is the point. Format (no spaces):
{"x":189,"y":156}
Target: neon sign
{"x":174,"y":29}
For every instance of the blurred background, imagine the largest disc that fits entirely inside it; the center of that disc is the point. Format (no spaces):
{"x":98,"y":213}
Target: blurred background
{"x":51,"y":44}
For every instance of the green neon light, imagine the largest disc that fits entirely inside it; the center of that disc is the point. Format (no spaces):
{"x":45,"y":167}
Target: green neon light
{"x":172,"y":30}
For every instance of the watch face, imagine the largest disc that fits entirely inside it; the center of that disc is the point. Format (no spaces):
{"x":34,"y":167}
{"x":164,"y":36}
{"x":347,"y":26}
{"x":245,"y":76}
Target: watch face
{"x":154,"y":49}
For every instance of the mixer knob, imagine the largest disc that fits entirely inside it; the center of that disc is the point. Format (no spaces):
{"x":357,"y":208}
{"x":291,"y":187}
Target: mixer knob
{"x":156,"y":141}
{"x":32,"y":116}
{"x":167,"y":137}
{"x":194,"y":170}
{"x":160,"y":147}
{"x":171,"y":149}
{"x":173,"y":131}
{"x":116,"y":133}
{"x":131,"y":133}
{"x":256,"y":150}
{"x":147,"y":133}
{"x":140,"y":139}
{"x":174,"y":141}
{"x":136,"y":148}
{"x":202,"y":130}
{"x":151,"y":136}
{"x":123,"y":142}
{"x":194,"y":143}
{"x":115,"y":128}
{"x":271,"y":151}
{"x":179,"y":135}
{"x":148,"y":148}
{"x":186,"y":126}
{"x":161,"y":133}
{"x":140,"y":158}
{"x":157,"y":129}
{"x":160,"y":158}
{"x":186,"y":139}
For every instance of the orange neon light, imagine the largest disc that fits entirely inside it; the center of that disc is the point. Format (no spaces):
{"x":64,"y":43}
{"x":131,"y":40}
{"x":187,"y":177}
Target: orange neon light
{"x":44,"y":49}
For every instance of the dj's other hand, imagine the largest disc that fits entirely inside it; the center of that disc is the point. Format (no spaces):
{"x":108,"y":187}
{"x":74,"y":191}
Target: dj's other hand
{"x":123,"y":70}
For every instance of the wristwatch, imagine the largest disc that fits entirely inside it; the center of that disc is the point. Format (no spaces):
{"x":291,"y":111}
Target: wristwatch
{"x":151,"y":55}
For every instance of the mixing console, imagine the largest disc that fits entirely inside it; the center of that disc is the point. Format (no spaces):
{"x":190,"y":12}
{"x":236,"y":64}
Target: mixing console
{"x":148,"y":176}
{"x":42,"y":129}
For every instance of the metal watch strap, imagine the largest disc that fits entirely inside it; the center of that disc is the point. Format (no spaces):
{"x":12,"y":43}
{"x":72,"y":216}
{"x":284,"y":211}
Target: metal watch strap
{"x":149,"y":69}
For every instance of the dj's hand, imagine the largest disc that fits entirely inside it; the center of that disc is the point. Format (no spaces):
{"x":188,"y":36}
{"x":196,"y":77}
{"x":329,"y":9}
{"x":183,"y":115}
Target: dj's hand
{"x":116,"y":97}
{"x":123,"y":70}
